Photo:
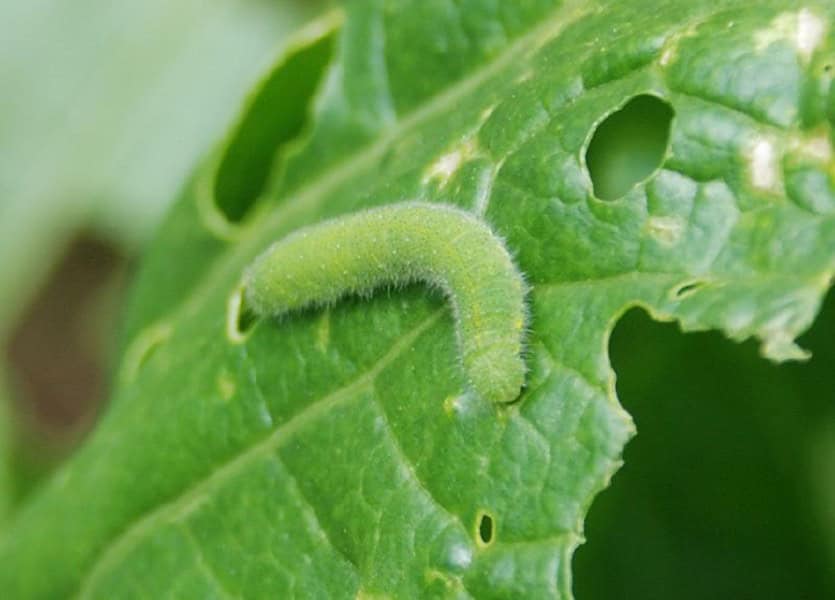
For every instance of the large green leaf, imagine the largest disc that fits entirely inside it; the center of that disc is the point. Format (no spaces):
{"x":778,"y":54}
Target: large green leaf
{"x":338,"y":453}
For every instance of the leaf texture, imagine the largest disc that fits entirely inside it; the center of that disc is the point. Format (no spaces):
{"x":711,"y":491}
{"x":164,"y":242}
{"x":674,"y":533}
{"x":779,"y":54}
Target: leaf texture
{"x":338,"y":453}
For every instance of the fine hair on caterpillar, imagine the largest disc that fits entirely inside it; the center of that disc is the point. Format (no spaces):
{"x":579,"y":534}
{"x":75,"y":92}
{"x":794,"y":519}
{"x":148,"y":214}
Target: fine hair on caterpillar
{"x":442,"y":246}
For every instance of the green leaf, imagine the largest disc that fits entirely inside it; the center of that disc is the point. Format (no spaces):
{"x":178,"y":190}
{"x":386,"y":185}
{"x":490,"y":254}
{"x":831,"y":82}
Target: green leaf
{"x":339,"y":453}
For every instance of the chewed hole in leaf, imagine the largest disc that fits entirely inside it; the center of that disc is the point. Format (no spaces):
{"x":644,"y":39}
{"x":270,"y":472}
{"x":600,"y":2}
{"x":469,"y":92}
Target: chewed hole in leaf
{"x":629,"y":146}
{"x":688,"y":288}
{"x":277,"y":115}
{"x":486,"y":529}
{"x":240,"y":319}
{"x":725,"y":490}
{"x":143,"y":348}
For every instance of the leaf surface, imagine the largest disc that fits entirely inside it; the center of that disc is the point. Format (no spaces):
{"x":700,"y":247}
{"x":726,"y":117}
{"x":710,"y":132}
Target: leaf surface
{"x":338,"y":453}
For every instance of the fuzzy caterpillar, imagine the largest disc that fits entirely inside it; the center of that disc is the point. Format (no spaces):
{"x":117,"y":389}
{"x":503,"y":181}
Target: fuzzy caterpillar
{"x":402,"y":243}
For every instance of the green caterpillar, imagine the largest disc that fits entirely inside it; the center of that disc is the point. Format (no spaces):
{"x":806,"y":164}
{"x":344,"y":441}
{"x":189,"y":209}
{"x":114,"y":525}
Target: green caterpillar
{"x":401,"y":243}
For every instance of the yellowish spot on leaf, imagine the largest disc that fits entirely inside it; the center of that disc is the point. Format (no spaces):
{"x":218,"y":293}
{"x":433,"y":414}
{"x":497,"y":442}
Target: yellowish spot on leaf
{"x":451,"y":405}
{"x":763,"y":164}
{"x":226,"y":385}
{"x":817,"y":147}
{"x":666,"y":230}
{"x":442,"y":170}
{"x":802,"y":29}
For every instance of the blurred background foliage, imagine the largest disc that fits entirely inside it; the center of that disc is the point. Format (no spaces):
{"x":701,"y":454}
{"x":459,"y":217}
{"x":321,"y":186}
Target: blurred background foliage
{"x":728,"y":490}
{"x":105,"y":109}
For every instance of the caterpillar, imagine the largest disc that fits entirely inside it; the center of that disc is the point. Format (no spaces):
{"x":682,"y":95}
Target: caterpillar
{"x":401,"y":243}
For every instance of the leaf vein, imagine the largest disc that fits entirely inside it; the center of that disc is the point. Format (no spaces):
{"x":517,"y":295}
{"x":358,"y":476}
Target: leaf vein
{"x":258,"y":233}
{"x":410,"y":467}
{"x":185,"y":502}
{"x":203,"y":564}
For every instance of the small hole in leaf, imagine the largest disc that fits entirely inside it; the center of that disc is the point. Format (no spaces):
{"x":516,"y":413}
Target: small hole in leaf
{"x":486,"y":529}
{"x":628,"y":146}
{"x":240,"y":318}
{"x":277,"y":115}
{"x":143,"y":348}
{"x":246,"y":319}
{"x":687,"y":289}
